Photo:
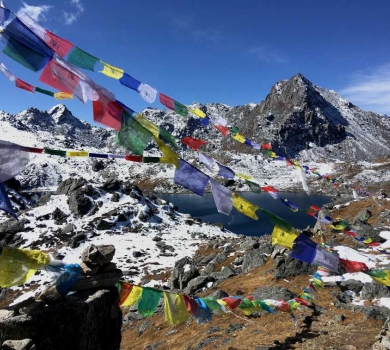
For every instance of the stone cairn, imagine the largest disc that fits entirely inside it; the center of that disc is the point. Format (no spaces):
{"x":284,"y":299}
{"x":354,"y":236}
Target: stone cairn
{"x":87,"y":318}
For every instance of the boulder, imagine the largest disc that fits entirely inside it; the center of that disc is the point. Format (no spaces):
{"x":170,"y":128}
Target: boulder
{"x":112,"y":185}
{"x":97,"y":165}
{"x":59,"y":216}
{"x":197,"y":283}
{"x":70,"y":185}
{"x":372,"y":290}
{"x":104,"y":225}
{"x":98,"y":254}
{"x":79,"y":204}
{"x":252,"y":259}
{"x":353,"y":285}
{"x":183,"y":272}
{"x":286,"y":266}
{"x":277,"y":293}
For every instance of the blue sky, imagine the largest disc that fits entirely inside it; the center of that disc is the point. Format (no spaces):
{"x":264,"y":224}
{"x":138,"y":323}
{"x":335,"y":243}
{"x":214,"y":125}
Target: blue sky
{"x":224,"y":51}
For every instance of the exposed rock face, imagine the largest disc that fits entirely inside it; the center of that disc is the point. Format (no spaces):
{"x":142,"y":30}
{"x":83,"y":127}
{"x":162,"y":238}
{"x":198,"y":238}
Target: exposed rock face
{"x":85,"y":320}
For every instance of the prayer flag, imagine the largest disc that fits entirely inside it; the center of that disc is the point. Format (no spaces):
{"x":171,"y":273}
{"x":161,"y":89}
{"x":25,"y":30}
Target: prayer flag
{"x":222,"y":197}
{"x":45,"y":92}
{"x":111,"y":71}
{"x":233,"y":303}
{"x":181,"y":109}
{"x":326,"y":259}
{"x":68,"y":278}
{"x":169,"y":157}
{"x":381,"y":276}
{"x":5,"y":203}
{"x":283,"y":237}
{"x":277,"y":221}
{"x":290,"y":204}
{"x":353,"y":266}
{"x":55,"y":152}
{"x":130,"y":82}
{"x":124,"y":291}
{"x":313,"y":210}
{"x":134,"y":136}
{"x":63,"y":96}
{"x":191,"y":178}
{"x":97,"y":155}
{"x":270,"y":190}
{"x":109,"y":114}
{"x":266,"y":146}
{"x":191,"y":305}
{"x":147,"y":92}
{"x":13,"y":160}
{"x":151,"y":160}
{"x":234,"y":130}
{"x":137,"y":159}
{"x":167,"y":101}
{"x":222,"y":129}
{"x":148,"y":125}
{"x":304,"y":249}
{"x":50,"y":77}
{"x":23,"y":85}
{"x":175,"y":308}
{"x":148,"y":303}
{"x":197,"y":112}
{"x":60,"y":46}
{"x":204,"y":121}
{"x":245,"y":207}
{"x":7,"y":73}
{"x":238,"y":137}
{"x":82,"y":59}
{"x":193,"y":143}
{"x":244,"y":176}
{"x":17,"y":266}
{"x":4,"y":15}
{"x":255,"y":188}
{"x":207,"y":161}
{"x":202,"y":314}
{"x":168,"y":138}
{"x":225,"y":172}
{"x":133,"y":296}
{"x":77,"y":154}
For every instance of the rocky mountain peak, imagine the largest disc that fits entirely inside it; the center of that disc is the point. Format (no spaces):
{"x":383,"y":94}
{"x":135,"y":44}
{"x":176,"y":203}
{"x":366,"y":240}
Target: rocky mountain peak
{"x":62,"y":115}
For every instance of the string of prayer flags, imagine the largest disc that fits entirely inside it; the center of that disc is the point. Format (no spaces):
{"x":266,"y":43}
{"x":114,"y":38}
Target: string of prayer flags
{"x":283,"y":237}
{"x":245,"y":207}
{"x":193,"y":143}
{"x":270,"y":190}
{"x":17,"y":266}
{"x":255,"y":188}
{"x":191,"y":178}
{"x":13,"y":160}
{"x":222,"y":197}
{"x":5,"y":203}
{"x":82,"y":59}
{"x":290,"y":204}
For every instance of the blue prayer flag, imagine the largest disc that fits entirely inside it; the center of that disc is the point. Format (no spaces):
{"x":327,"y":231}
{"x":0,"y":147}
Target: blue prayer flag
{"x":191,"y":178}
{"x":304,"y":249}
{"x":5,"y":203}
{"x":130,"y":82}
{"x":225,"y":172}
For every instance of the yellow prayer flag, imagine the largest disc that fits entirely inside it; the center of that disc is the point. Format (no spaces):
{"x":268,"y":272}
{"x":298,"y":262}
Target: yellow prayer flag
{"x":111,"y":71}
{"x":17,"y":266}
{"x":63,"y":96}
{"x":77,"y":153}
{"x":245,"y":177}
{"x":238,"y":137}
{"x":197,"y":112}
{"x":148,"y":125}
{"x":175,"y":309}
{"x":133,"y":297}
{"x":283,"y":238}
{"x":385,"y":280}
{"x":367,"y":241}
{"x":245,"y":207}
{"x":169,"y":157}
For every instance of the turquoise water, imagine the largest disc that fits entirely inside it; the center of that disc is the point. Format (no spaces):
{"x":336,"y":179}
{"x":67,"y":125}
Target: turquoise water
{"x":204,"y":208}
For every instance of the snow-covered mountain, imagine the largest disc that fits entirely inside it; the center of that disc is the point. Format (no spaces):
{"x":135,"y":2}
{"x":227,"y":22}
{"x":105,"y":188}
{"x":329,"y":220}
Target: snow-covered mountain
{"x":300,"y":119}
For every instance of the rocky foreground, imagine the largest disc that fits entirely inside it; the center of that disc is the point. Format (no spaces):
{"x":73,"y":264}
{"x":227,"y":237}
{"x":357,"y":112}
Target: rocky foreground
{"x":155,"y":245}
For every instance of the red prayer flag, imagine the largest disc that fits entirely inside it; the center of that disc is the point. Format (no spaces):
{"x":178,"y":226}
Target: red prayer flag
{"x":302,"y":301}
{"x":222,"y":129}
{"x":50,"y":79}
{"x":374,"y":244}
{"x":193,"y":143}
{"x":124,"y":292}
{"x":266,"y":146}
{"x":353,"y":266}
{"x":268,"y":189}
{"x":134,"y":158}
{"x":232,"y":302}
{"x":167,"y":101}
{"x":313,"y":210}
{"x":350,"y":233}
{"x":109,"y":114}
{"x":191,"y":305}
{"x":289,"y":162}
{"x":60,"y":46}
{"x":23,"y":85}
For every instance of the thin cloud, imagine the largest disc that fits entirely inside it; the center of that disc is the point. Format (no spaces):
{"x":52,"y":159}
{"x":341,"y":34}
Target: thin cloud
{"x":207,"y":35}
{"x":370,"y":90}
{"x":37,"y":13}
{"x":71,"y":17}
{"x":265,"y":54}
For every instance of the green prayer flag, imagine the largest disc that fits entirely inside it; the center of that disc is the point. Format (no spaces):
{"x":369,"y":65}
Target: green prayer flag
{"x":134,"y":136}
{"x":25,"y":56}
{"x":168,"y":138}
{"x":151,"y":160}
{"x":211,"y":303}
{"x":277,"y":221}
{"x":148,"y":303}
{"x":234,"y":130}
{"x":181,"y":109}
{"x":55,"y":152}
{"x":82,"y":59}
{"x":45,"y":92}
{"x":254,"y":187}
